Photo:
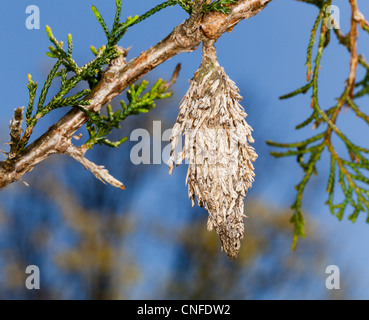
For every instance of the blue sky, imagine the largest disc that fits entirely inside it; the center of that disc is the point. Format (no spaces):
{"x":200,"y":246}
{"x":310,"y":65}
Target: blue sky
{"x":265,"y":56}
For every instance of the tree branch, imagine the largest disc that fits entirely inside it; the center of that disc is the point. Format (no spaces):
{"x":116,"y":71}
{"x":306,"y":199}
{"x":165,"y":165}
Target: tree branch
{"x":186,"y":37}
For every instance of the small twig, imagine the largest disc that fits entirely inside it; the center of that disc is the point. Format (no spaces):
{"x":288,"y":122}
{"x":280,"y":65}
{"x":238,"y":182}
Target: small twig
{"x":359,"y":17}
{"x":354,"y":61}
{"x":100,"y":172}
{"x":174,"y":76}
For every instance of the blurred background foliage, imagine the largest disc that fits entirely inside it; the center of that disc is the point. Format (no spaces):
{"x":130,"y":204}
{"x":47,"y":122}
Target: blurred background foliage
{"x":85,"y":236}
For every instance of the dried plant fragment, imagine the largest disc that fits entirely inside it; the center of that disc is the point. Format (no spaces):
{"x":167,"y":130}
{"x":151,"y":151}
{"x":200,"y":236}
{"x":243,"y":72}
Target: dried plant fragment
{"x":217,"y":148}
{"x":16,"y":131}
